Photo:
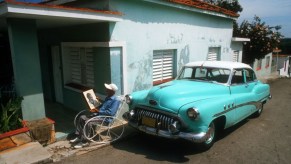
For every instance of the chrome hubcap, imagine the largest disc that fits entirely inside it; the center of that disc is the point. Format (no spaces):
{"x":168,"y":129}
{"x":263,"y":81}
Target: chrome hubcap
{"x":210,"y":133}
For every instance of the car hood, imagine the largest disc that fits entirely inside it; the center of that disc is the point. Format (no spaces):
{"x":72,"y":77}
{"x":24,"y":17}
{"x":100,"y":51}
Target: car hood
{"x":173,"y":95}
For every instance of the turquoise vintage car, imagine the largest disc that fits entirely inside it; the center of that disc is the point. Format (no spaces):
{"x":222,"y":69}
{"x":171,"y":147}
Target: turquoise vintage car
{"x":206,"y":96}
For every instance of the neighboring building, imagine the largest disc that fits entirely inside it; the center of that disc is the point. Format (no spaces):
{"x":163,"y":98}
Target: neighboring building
{"x":283,"y":64}
{"x":265,"y":67}
{"x":273,"y":64}
{"x":60,"y":51}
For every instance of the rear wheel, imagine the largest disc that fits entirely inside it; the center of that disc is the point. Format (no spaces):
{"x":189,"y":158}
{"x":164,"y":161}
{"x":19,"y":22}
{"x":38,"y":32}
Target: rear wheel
{"x":259,"y":111}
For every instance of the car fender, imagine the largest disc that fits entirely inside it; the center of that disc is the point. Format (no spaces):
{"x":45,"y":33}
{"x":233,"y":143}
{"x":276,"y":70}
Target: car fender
{"x":209,"y":110}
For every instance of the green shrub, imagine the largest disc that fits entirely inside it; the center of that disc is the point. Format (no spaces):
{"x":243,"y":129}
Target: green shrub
{"x":10,"y":118}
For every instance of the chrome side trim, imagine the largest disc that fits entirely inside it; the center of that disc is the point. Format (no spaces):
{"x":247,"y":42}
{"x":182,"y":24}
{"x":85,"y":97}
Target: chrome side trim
{"x":256,"y":103}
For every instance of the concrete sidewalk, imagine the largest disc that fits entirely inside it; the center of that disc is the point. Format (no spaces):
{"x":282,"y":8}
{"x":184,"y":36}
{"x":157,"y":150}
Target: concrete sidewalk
{"x":34,"y":152}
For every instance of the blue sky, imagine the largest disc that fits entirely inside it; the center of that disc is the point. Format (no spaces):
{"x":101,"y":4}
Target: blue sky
{"x":273,"y":12}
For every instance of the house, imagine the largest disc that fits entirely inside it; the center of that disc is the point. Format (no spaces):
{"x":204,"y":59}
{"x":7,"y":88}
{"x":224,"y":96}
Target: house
{"x":60,"y":48}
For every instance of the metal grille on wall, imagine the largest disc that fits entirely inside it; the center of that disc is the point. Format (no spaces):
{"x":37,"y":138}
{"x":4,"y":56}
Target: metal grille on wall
{"x":163,"y":65}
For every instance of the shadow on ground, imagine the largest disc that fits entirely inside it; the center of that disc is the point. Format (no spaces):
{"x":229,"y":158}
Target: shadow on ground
{"x":161,"y":149}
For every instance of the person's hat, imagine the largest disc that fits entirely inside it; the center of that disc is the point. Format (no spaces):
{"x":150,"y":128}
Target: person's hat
{"x":111,"y":86}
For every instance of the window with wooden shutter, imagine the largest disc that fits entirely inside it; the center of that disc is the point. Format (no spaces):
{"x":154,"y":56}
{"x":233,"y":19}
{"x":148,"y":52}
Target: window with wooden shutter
{"x":163,"y":66}
{"x":81,"y":63}
{"x":235,"y":56}
{"x":213,"y":54}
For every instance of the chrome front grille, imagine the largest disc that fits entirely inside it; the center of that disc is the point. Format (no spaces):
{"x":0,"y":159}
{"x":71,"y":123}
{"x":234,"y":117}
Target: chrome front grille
{"x":162,"y":120}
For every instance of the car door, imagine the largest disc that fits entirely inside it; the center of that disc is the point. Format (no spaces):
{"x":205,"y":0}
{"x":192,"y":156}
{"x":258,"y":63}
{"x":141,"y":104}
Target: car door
{"x":241,"y":91}
{"x":255,"y":87}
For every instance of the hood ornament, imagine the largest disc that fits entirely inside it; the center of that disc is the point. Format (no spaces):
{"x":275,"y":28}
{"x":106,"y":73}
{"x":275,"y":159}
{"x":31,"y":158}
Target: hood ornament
{"x":153,"y":102}
{"x":163,"y":86}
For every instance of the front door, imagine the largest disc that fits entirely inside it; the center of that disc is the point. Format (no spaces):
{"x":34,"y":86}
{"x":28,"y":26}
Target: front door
{"x":57,"y":73}
{"x":240,"y":91}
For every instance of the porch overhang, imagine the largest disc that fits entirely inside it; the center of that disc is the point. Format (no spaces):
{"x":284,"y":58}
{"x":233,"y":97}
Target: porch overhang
{"x":237,"y":39}
{"x":54,"y":15}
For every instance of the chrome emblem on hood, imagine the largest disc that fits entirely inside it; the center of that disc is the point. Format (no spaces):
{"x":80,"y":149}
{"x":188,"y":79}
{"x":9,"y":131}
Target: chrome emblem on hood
{"x":153,"y":102}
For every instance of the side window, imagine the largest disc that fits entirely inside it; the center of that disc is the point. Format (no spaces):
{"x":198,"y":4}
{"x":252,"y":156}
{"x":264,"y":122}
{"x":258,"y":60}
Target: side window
{"x":250,"y":75}
{"x":200,"y":72}
{"x":220,"y":75}
{"x":237,"y":77}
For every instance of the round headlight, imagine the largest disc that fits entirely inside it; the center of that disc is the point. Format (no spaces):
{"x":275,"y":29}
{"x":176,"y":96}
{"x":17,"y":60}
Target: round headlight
{"x":128,"y":99}
{"x":193,"y":113}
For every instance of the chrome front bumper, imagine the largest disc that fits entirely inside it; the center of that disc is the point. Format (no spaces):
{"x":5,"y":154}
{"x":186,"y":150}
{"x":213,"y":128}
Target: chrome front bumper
{"x":193,"y":137}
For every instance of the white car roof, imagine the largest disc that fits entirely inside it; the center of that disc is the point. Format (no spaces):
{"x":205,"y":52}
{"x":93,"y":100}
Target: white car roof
{"x":218,"y":64}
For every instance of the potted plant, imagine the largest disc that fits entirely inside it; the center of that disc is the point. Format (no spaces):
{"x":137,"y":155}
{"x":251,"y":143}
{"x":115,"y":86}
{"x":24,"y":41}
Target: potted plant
{"x":10,"y":118}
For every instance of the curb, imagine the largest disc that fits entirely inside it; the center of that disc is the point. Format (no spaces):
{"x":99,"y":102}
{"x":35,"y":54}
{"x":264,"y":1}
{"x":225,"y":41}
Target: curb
{"x":63,"y":149}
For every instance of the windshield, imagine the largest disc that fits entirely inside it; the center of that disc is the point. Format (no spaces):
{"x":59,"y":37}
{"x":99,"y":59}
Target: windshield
{"x":219,"y":75}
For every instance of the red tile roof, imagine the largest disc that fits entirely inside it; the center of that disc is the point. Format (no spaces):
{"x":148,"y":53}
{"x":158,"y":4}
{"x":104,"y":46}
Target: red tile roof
{"x":204,"y":6}
{"x":192,"y":3}
{"x":61,"y":7}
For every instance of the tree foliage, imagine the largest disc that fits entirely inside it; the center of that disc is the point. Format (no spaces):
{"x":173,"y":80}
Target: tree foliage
{"x":232,"y":6}
{"x":263,"y":38}
{"x":229,"y":5}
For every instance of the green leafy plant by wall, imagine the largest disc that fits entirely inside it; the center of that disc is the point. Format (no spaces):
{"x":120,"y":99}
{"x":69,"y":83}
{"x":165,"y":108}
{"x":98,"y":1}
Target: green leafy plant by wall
{"x":11,"y":115}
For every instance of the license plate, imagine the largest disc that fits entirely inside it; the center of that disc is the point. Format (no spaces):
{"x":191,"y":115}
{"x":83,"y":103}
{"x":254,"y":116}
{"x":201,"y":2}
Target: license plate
{"x":148,"y":121}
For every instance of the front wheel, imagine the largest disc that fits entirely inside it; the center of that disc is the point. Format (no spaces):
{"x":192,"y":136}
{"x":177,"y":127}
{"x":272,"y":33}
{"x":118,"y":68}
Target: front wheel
{"x":211,"y":133}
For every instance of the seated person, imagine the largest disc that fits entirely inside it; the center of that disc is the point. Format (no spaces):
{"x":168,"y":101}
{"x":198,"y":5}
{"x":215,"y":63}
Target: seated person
{"x":108,"y":108}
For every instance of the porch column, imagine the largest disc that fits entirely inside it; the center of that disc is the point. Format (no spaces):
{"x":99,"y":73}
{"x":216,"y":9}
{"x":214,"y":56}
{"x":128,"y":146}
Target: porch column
{"x":26,"y":66}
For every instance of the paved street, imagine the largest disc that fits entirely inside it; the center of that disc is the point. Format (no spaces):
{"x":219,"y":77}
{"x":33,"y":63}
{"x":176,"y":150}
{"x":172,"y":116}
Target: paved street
{"x":266,"y":139}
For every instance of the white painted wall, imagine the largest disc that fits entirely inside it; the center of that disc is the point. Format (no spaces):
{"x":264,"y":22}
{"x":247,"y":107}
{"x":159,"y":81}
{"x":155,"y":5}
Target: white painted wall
{"x":148,"y":26}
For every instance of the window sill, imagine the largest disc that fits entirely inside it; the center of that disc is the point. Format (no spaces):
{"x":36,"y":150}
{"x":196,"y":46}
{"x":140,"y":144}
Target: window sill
{"x":76,"y":87}
{"x":162,"y":81}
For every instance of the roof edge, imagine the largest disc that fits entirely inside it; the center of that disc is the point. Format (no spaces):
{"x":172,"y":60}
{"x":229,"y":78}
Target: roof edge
{"x":204,"y":6}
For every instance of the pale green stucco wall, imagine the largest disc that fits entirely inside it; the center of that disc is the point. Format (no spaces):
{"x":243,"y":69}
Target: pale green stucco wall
{"x":27,"y":72}
{"x":145,"y":27}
